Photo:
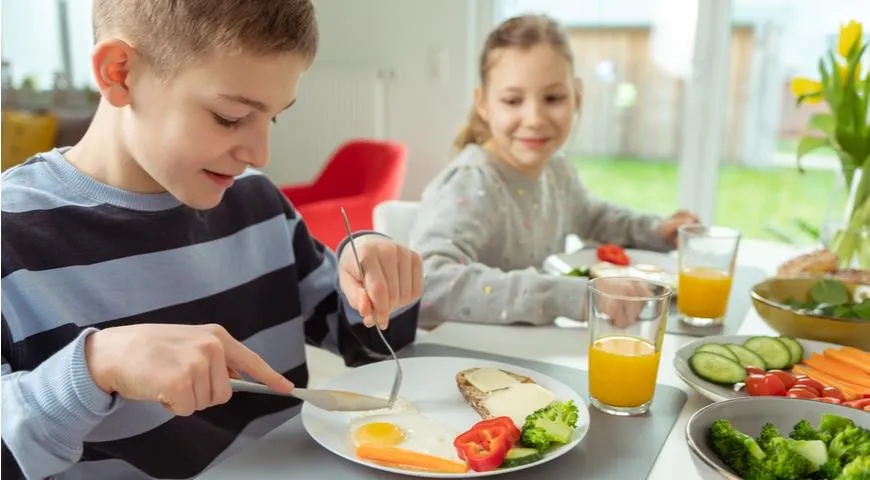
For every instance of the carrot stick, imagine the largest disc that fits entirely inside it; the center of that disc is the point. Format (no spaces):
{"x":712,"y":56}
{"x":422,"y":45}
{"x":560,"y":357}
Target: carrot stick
{"x":850,"y":391}
{"x":402,"y":458}
{"x":846,"y":358}
{"x":857,"y":353}
{"x":836,"y":368}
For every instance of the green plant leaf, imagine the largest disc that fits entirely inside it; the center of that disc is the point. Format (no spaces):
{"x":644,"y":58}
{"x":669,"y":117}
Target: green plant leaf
{"x":823,"y":122}
{"x":807,"y":145}
{"x":830,"y":292}
{"x":852,"y":143}
{"x":807,"y":228}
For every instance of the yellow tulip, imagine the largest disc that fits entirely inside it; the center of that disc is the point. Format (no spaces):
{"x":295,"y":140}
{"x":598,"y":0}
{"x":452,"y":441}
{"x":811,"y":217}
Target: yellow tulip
{"x":843,"y":70}
{"x":810,"y":89}
{"x":850,"y":33}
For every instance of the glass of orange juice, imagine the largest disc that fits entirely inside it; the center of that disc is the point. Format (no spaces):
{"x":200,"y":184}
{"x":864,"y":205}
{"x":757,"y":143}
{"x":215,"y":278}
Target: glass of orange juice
{"x":706,"y":266}
{"x":627,"y":318}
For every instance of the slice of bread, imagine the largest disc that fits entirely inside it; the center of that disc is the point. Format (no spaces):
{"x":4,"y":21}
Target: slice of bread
{"x":476,"y":397}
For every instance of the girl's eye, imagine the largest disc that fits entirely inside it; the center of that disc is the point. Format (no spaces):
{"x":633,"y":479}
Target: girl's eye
{"x":511,"y":101}
{"x":225,"y":122}
{"x":555,"y":98}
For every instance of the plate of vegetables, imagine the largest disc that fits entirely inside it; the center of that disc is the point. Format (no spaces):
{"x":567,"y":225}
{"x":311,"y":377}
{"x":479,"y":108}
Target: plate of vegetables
{"x":732,"y":366}
{"x":779,"y":438}
{"x":608,"y":260}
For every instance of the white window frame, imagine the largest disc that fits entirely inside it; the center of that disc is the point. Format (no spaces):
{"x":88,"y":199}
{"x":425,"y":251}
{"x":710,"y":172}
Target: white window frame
{"x":704,"y":110}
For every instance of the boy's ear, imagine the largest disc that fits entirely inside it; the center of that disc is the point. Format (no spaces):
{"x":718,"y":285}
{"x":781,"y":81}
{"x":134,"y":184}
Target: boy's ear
{"x":578,"y":90}
{"x":480,"y":104}
{"x":111,"y":63}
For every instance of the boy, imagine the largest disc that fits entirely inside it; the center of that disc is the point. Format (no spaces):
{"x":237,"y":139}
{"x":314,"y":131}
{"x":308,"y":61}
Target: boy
{"x":148,"y":264}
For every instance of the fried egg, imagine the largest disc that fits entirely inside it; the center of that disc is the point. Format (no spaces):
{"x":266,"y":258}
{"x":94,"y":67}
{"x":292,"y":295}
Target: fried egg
{"x":401,"y":407}
{"x":408,"y":431}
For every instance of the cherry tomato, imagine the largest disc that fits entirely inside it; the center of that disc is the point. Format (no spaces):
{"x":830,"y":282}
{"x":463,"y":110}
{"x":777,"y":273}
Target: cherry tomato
{"x":809,"y":382}
{"x":833,"y":400}
{"x":800,"y":393}
{"x":812,"y":390}
{"x":756,"y":370}
{"x":787,"y":379}
{"x":764,"y":386}
{"x":833,"y":392}
{"x":859,"y":404}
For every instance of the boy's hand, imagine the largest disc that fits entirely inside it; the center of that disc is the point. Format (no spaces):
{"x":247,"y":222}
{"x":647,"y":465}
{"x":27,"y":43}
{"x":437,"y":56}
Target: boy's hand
{"x":394,"y":278}
{"x":668,"y":228}
{"x":185,"y":367}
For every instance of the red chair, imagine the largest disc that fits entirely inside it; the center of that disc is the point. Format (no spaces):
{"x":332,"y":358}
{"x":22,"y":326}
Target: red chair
{"x":361,"y":174}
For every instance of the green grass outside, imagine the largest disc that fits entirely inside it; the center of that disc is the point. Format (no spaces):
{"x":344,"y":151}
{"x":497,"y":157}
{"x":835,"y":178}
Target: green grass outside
{"x":749,"y":199}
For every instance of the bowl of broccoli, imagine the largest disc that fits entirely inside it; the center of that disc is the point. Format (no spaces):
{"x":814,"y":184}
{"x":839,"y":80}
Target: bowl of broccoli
{"x":772,"y":438}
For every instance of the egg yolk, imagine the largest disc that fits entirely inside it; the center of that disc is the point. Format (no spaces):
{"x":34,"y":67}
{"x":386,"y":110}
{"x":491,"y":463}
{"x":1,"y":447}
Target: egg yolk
{"x":379,"y":433}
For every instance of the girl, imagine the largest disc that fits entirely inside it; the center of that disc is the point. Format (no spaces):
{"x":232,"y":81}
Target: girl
{"x":507,"y":202}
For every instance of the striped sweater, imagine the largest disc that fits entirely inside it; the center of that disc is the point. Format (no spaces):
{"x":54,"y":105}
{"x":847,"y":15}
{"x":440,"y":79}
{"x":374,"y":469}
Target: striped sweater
{"x":78,"y":256}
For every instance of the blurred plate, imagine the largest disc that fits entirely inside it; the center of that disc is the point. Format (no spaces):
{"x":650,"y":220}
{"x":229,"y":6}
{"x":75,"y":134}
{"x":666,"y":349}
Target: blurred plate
{"x":656,"y":266}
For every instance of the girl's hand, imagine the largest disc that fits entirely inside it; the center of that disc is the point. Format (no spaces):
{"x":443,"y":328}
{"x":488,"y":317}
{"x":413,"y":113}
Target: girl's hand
{"x":668,"y":228}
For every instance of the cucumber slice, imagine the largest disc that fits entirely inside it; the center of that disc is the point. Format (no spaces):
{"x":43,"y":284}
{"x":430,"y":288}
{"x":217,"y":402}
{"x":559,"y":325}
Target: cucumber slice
{"x":775,"y":354}
{"x":795,"y":348}
{"x":517,"y":456}
{"x":747,"y":357}
{"x":718,"y":348}
{"x":716,"y":368}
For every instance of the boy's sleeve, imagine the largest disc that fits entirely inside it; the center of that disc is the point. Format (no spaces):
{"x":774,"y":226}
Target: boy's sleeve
{"x":48,"y":411}
{"x":600,"y":221}
{"x":457,"y":219}
{"x":330,"y":321}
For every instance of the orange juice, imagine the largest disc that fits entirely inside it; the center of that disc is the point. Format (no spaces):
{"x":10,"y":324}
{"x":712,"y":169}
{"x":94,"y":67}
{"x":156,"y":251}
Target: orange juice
{"x":622,"y":371}
{"x":703,"y":292}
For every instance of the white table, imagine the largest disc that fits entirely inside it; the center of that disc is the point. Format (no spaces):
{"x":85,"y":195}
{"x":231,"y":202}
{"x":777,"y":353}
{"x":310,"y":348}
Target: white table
{"x":568,"y":347}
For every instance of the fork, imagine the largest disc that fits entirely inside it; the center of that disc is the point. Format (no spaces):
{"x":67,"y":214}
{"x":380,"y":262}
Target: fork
{"x":397,"y":381}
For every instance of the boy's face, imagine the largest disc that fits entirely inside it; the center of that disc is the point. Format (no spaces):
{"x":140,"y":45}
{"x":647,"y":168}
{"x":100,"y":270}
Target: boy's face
{"x":208,"y":123}
{"x":529,"y":102}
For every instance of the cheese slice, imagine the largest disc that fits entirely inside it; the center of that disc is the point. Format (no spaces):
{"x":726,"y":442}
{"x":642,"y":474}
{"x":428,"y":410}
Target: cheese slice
{"x":518,"y":401}
{"x":490,"y":379}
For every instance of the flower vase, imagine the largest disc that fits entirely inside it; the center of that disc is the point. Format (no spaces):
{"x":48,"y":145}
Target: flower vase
{"x":846,"y":231}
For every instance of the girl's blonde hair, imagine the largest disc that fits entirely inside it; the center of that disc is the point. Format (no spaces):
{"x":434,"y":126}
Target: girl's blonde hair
{"x":524,"y":32}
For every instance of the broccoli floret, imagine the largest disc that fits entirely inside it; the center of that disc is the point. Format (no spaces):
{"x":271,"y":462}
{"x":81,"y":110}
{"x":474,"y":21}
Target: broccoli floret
{"x":769,"y":431}
{"x":858,"y":469}
{"x":784,"y":461}
{"x":804,"y":430}
{"x":850,"y":443}
{"x":550,"y":425}
{"x":833,"y":424}
{"x":830,"y":470}
{"x":738,"y":450}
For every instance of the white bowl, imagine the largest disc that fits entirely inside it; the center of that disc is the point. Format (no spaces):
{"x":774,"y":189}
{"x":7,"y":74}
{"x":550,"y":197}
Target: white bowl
{"x":748,"y":415}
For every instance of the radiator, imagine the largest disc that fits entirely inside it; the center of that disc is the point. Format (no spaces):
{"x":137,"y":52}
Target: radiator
{"x":335,"y":103}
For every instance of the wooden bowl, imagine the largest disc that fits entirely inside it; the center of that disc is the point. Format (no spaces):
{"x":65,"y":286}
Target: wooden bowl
{"x":769,"y":297}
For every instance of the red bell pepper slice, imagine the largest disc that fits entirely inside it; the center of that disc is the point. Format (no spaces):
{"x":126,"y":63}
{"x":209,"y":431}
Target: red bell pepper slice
{"x":510,"y":427}
{"x":483,"y":449}
{"x":613,"y":254}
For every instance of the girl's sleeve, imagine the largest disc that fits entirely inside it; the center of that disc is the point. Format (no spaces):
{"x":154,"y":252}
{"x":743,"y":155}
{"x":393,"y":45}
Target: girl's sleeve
{"x":459,"y":216}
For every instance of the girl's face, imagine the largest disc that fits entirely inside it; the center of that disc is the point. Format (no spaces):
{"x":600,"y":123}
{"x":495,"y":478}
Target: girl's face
{"x":529,"y":103}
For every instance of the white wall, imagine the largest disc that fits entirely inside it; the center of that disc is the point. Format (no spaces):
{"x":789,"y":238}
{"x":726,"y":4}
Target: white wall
{"x":405,"y":36}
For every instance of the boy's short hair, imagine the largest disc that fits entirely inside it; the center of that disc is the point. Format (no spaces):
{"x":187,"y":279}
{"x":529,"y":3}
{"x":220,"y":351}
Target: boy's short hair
{"x":171,"y":33}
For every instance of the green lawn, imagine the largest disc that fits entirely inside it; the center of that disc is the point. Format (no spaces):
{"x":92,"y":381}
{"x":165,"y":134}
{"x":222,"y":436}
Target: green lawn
{"x":756,"y":201}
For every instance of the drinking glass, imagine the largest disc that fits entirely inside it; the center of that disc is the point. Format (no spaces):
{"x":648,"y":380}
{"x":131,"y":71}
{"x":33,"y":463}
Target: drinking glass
{"x":627,"y":318}
{"x":705,"y":268}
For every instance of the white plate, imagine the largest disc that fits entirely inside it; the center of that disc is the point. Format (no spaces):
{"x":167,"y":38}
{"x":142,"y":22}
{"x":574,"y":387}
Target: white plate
{"x":644,"y":263}
{"x":718,"y":393}
{"x":430,"y":384}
